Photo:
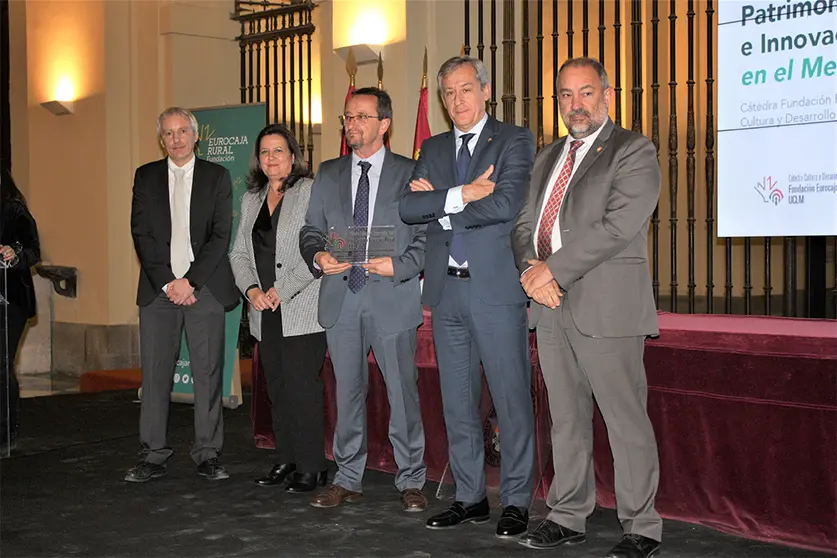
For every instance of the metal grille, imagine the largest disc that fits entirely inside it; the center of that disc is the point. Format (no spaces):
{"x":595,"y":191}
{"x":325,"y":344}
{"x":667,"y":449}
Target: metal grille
{"x":722,"y":275}
{"x":275,"y":48}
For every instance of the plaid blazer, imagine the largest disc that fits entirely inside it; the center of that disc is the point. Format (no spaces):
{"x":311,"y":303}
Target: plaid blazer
{"x":298,"y":290}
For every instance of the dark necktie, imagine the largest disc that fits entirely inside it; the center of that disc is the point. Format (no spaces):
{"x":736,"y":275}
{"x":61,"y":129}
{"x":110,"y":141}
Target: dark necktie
{"x":463,"y":159}
{"x":357,"y":276}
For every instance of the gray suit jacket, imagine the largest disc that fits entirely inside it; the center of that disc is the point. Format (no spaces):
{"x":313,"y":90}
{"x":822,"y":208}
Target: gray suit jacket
{"x":397,"y":300}
{"x":298,"y":291}
{"x":602,"y":264}
{"x":486,"y":223}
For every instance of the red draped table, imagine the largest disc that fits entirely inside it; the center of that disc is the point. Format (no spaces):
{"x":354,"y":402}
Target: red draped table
{"x":744,"y":410}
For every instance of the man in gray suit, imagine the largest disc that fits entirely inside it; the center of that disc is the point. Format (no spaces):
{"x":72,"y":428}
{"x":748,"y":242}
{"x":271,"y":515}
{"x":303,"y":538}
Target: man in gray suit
{"x":580,"y":245}
{"x":377,"y":304}
{"x":469,"y":185}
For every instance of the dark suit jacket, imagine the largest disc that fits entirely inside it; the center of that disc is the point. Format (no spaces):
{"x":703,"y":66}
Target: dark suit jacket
{"x":18,"y":229}
{"x":397,"y":300}
{"x":210,"y":224}
{"x":486,"y":223}
{"x":603,"y":260}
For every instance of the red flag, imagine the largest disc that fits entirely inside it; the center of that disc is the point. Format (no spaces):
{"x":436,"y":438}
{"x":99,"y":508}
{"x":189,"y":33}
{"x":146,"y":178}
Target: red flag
{"x":422,"y":125}
{"x":344,"y":149}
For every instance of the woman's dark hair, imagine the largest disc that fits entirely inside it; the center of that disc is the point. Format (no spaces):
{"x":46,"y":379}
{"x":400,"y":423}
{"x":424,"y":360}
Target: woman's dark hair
{"x":8,"y":189}
{"x":257,"y":179}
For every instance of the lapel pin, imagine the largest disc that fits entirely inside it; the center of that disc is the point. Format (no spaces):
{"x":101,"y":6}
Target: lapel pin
{"x":489,"y":140}
{"x":599,"y":149}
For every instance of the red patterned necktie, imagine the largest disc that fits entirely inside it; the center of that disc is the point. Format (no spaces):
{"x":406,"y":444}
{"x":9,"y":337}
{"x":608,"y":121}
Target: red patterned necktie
{"x":550,"y":212}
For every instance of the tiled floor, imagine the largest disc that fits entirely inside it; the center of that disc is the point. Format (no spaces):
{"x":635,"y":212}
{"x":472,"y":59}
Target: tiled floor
{"x":46,"y":383}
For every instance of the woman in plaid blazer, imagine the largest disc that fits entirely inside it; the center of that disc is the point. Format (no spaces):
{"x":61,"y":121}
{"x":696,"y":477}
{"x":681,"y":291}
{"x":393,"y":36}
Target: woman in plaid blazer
{"x":283,"y":297}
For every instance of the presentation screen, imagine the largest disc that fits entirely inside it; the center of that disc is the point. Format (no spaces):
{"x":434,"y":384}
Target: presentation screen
{"x":777,"y":118}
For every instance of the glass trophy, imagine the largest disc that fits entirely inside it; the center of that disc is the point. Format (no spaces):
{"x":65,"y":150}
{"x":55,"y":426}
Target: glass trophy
{"x":358,"y":245}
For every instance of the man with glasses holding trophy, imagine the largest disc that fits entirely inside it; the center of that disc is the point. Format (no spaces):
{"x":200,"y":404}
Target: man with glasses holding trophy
{"x":369,"y":297}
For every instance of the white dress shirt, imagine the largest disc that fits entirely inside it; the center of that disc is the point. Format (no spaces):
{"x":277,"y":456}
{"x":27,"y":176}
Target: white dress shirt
{"x":374,"y":174}
{"x":188,"y":176}
{"x":556,"y":170}
{"x":453,"y":200}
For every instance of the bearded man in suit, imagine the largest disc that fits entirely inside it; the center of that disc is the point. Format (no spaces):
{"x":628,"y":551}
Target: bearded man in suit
{"x":580,"y":245}
{"x":374,"y":305}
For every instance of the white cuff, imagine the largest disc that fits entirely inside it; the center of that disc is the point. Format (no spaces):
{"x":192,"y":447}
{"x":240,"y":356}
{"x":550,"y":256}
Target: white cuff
{"x":445,"y":222}
{"x":453,"y":201}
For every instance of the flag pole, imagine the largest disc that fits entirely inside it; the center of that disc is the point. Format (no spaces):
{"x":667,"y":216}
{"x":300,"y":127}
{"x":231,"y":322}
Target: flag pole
{"x":351,"y":69}
{"x":422,"y":124}
{"x":351,"y":66}
{"x":424,"y":71}
{"x":381,"y":86}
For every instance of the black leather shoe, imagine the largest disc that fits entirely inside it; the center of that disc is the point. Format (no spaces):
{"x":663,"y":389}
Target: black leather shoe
{"x":459,"y":513}
{"x":513,"y":523}
{"x":550,"y":535}
{"x":634,"y":546}
{"x":276,"y":475}
{"x":306,"y":482}
{"x":145,"y":471}
{"x":211,"y":469}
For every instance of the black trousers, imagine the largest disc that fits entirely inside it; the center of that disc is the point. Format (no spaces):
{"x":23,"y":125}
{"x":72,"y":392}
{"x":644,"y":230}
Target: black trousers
{"x":292,"y":368}
{"x":12,"y":323}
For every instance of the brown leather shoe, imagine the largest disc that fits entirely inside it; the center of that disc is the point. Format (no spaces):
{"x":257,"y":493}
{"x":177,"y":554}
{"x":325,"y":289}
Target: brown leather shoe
{"x":412,"y":500}
{"x":333,"y":496}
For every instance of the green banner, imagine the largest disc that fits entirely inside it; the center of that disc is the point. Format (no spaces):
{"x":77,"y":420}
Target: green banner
{"x":226,"y":136}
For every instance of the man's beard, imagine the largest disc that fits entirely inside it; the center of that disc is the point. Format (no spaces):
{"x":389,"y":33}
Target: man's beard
{"x":580,"y":131}
{"x":355,"y":139}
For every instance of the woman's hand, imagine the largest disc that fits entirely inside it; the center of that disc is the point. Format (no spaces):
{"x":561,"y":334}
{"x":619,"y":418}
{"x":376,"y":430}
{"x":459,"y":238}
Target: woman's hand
{"x":7,"y":253}
{"x":273,"y":298}
{"x":258,"y":299}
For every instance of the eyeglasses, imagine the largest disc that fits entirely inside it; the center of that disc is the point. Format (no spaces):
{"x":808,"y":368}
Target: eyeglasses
{"x":359,"y":118}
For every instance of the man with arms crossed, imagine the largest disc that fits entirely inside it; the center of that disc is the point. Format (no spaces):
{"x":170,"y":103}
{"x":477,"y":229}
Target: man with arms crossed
{"x":580,"y":245}
{"x":181,"y":220}
{"x":377,"y":304}
{"x":469,"y":185}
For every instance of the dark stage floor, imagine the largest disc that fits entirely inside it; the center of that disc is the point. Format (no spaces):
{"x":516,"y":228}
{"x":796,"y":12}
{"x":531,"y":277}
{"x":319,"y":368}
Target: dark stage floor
{"x":62,"y":494}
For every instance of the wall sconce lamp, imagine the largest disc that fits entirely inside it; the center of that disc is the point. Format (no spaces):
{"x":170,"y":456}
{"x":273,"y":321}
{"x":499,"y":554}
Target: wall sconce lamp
{"x":366,"y":26}
{"x":59,"y":108}
{"x":364,"y":54}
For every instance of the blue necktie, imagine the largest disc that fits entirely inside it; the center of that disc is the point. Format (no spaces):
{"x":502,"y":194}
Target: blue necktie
{"x":463,"y":159}
{"x":357,"y":276}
